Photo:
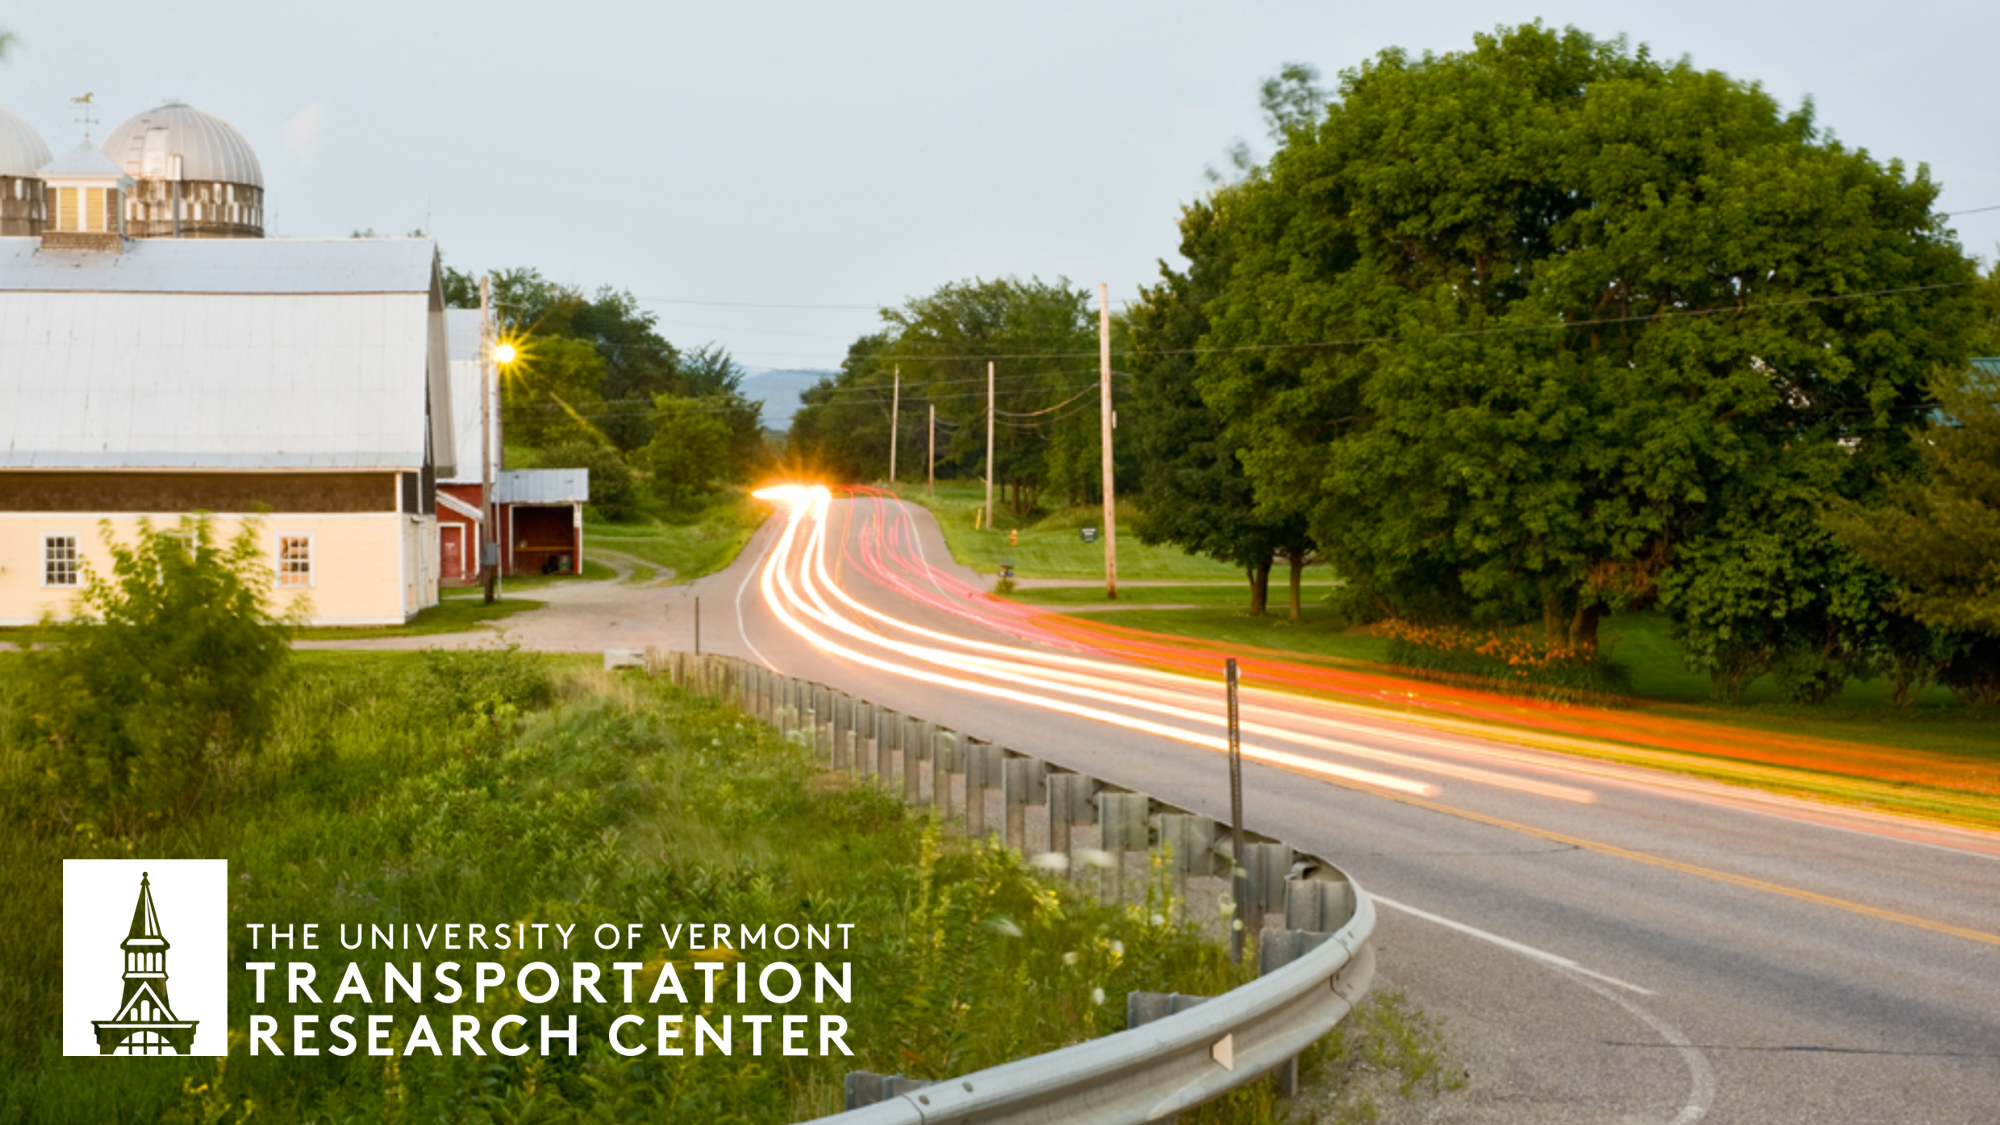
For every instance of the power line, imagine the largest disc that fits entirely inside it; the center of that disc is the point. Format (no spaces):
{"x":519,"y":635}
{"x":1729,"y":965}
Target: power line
{"x":757,"y":304}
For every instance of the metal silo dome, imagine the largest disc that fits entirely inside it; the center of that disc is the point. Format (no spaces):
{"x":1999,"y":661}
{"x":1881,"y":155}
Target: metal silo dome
{"x":22,"y":150}
{"x":194,"y":176}
{"x":210,"y":148}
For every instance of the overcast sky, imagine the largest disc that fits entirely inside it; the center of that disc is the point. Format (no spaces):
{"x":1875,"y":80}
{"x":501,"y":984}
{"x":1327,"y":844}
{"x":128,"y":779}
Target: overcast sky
{"x":859,"y":154}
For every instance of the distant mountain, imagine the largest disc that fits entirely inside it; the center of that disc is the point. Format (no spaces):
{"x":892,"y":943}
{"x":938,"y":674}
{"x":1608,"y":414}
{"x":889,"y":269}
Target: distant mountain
{"x":778,"y":389}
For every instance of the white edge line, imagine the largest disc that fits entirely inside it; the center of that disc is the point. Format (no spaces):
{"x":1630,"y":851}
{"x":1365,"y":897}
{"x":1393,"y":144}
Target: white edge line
{"x":743,"y":627}
{"x":1510,"y":944}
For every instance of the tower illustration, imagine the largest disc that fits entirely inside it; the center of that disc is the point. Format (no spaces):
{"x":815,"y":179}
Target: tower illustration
{"x":145,"y":1023}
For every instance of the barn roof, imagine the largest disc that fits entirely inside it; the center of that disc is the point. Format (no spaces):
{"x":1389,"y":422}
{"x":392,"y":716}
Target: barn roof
{"x":223,"y":354}
{"x":542,"y":486}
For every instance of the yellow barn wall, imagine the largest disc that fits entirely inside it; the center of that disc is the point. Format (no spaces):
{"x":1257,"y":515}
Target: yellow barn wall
{"x":359,"y":562}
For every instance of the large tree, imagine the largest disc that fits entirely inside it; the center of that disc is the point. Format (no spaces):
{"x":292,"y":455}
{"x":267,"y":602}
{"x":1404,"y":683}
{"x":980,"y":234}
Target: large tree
{"x":1512,"y":325}
{"x":1194,"y":493}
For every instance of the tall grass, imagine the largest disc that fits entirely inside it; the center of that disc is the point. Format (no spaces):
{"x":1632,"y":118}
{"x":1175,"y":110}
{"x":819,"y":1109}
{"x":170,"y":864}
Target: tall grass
{"x":500,"y":787}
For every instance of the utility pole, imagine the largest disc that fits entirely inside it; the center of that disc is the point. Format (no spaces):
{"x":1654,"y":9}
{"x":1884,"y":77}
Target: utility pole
{"x":930,"y":462}
{"x":895,"y":420}
{"x":1239,"y":883}
{"x":989,"y":445}
{"x":1104,"y":407}
{"x":487,"y":509}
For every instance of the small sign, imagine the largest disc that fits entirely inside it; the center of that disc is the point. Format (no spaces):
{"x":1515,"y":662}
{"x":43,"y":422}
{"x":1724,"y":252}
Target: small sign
{"x":1087,"y":534}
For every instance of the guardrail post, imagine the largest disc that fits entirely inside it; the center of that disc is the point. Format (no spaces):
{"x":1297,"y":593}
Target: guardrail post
{"x":838,"y":732}
{"x":982,"y":772}
{"x":1275,"y":950}
{"x":888,"y":724}
{"x":1072,"y":801}
{"x":1320,"y":905}
{"x":1191,"y":840}
{"x":1023,"y":782}
{"x":1265,"y":866}
{"x":865,"y":727}
{"x":1122,"y":827}
{"x":916,"y":744}
{"x":942,"y":767}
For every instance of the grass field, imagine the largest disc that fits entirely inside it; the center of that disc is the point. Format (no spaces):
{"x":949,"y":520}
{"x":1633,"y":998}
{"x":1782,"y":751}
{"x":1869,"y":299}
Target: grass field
{"x":454,"y":613}
{"x":1232,"y":596}
{"x":458,"y":610}
{"x":1049,"y":545}
{"x":1937,"y":757}
{"x":497,"y":786}
{"x":694,"y":540}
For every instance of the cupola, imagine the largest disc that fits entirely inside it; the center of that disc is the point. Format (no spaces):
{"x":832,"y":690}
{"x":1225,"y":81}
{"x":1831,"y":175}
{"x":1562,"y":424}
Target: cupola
{"x":86,"y":201}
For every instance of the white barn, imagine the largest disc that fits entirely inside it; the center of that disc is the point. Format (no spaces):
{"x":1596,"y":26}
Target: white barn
{"x":303,"y":379}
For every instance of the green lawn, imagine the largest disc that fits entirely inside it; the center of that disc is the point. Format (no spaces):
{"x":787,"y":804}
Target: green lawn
{"x":593,"y":571}
{"x":693,"y":540}
{"x":1049,"y":546}
{"x":459,"y":609}
{"x":1234,"y":595}
{"x":456,"y":613}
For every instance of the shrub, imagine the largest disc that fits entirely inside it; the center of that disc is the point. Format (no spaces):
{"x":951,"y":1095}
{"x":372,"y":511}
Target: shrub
{"x":170,"y":669}
{"x":1505,"y":661}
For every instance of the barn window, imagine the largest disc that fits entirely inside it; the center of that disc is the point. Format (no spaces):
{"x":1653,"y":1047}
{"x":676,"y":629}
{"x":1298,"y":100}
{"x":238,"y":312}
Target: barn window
{"x":60,"y":565}
{"x":295,"y":561}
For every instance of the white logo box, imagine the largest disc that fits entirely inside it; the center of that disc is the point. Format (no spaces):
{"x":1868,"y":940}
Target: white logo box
{"x":145,"y":956}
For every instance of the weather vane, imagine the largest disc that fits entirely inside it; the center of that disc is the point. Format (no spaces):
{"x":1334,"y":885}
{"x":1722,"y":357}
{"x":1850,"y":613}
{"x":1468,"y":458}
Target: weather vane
{"x":86,"y":120}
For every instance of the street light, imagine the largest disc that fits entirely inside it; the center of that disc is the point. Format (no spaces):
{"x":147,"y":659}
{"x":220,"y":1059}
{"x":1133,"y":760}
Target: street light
{"x":495,"y":353}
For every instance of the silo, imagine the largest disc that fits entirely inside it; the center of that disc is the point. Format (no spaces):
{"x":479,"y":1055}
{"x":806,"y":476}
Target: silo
{"x":22,"y":150}
{"x":196,"y":177}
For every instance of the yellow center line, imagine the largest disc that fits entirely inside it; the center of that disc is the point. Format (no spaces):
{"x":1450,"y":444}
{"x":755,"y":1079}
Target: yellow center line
{"x":1691,"y":868}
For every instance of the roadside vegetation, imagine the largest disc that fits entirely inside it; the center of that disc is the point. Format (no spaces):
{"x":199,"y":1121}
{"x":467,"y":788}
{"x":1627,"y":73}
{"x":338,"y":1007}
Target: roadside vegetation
{"x":372,"y":789}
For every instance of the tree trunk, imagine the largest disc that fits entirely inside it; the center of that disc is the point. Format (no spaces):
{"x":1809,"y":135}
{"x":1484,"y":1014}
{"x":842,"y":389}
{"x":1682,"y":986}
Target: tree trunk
{"x":1583,"y":629}
{"x":1260,"y":586}
{"x":1298,"y":561}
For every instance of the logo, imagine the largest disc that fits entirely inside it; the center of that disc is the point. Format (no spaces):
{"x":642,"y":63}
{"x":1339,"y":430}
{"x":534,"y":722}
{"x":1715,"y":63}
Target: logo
{"x":145,"y":957}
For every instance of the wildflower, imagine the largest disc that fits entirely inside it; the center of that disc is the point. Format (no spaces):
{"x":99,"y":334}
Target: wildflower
{"x":1050,"y":861}
{"x":1097,"y":996}
{"x":1093,"y":857}
{"x":1072,"y":957}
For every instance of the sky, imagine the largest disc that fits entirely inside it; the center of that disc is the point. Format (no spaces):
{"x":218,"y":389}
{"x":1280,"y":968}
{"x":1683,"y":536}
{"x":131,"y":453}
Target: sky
{"x":768,"y":175}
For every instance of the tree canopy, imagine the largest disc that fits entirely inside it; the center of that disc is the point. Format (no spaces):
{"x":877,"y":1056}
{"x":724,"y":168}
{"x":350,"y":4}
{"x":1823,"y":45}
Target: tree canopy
{"x":1516,"y":326}
{"x":1041,"y":338}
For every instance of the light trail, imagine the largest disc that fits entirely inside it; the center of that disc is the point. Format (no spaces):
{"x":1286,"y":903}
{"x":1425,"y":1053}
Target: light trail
{"x":786,"y":602}
{"x":1173,"y":705}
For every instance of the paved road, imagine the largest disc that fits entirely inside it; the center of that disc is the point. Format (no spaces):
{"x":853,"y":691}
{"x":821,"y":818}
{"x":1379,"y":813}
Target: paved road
{"x":1606,"y":944}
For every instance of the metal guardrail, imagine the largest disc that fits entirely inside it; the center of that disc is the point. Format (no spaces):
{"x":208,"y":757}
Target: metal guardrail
{"x":1312,"y":972}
